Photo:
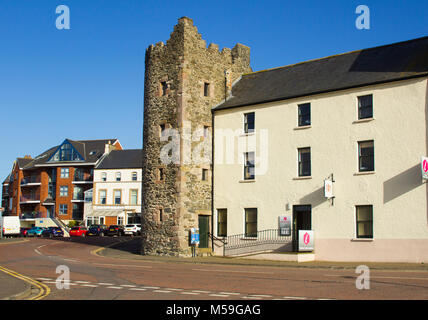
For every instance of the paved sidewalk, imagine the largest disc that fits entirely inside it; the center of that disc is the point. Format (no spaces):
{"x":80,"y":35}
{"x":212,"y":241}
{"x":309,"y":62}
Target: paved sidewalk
{"x":11,"y":287}
{"x":131,"y":250}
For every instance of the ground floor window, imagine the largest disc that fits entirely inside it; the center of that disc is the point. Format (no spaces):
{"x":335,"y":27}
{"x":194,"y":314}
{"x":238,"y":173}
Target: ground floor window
{"x":222,"y":222}
{"x":251,"y":222}
{"x":63,"y":209}
{"x":364,"y":220}
{"x":120,"y":220}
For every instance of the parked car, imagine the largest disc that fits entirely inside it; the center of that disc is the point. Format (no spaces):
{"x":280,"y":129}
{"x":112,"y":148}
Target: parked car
{"x":24,"y":231}
{"x":53,"y":232}
{"x":78,"y":232}
{"x":35,"y":231}
{"x":98,"y":230}
{"x":133,"y":229}
{"x":116,"y":230}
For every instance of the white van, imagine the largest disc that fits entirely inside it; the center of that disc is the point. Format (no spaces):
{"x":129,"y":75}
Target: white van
{"x":11,"y":226}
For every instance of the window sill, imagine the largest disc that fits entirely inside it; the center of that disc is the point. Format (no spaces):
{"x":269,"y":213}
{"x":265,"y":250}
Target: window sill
{"x":247,"y":181}
{"x":364,"y":120}
{"x":303,"y":178}
{"x":249,"y":134}
{"x":303,"y":127}
{"x":362,"y":240}
{"x":364,"y":173}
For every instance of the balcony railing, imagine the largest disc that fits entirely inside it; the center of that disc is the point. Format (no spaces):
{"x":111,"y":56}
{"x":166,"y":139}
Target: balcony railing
{"x":30,"y":180}
{"x":29,"y":198}
{"x":32,"y":215}
{"x":79,"y":196}
{"x":83,"y":178}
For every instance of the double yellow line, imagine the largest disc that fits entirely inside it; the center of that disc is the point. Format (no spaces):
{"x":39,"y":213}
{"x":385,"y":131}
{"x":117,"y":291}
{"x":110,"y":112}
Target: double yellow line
{"x":44,"y":290}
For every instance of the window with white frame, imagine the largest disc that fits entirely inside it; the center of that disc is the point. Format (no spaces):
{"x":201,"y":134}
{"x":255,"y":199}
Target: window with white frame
{"x":249,"y":122}
{"x":103,"y":196}
{"x":117,"y":196}
{"x":118,"y":176}
{"x":251,"y":222}
{"x":104,"y":176}
{"x":65,"y":173}
{"x":366,"y":156}
{"x":63,"y":191}
{"x":133,"y":196}
{"x":134,"y":176}
{"x":63,"y":209}
{"x":364,"y":221}
{"x":249,"y":166}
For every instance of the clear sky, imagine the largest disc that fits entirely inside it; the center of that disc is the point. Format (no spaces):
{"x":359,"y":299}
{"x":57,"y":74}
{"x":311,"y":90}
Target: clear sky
{"x":88,"y":82}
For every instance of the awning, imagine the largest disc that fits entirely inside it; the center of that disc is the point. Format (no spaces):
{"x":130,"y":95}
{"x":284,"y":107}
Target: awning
{"x":105,"y":213}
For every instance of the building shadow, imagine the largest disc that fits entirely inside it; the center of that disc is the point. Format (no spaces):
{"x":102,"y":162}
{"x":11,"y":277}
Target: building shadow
{"x":402,"y":183}
{"x":314,"y":198}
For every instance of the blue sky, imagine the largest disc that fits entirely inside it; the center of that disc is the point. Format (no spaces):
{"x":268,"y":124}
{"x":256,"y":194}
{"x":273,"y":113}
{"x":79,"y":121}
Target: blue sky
{"x":88,"y":82}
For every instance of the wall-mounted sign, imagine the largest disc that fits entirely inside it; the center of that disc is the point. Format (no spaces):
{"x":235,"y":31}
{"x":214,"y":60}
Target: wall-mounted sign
{"x":306,"y":240}
{"x":284,"y":225}
{"x":328,"y":189}
{"x":424,"y":168}
{"x":194,"y":236}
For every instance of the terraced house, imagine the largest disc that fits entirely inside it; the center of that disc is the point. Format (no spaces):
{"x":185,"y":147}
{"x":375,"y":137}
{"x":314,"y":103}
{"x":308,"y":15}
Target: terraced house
{"x":52,"y":185}
{"x":116,"y":194}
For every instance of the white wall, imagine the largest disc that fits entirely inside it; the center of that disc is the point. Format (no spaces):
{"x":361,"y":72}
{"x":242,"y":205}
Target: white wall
{"x":395,"y":189}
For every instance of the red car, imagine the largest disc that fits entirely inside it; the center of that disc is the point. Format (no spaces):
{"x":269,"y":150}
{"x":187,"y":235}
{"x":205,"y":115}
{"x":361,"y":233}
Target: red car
{"x":24,"y":231}
{"x":78,"y":232}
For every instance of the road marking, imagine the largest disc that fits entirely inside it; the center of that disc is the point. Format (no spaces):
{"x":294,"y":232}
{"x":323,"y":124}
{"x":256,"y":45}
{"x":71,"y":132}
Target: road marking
{"x":105,"y":284}
{"x":151,"y":287}
{"x":297,"y":298}
{"x":115,"y":287}
{"x":230,"y":271}
{"x":252,"y":298}
{"x":231,"y":293}
{"x":81,"y":281}
{"x":138,"y":289}
{"x":127,"y":286}
{"x":162,"y":291}
{"x":89,"y":285}
{"x":261,"y":295}
{"x":219,"y":295}
{"x":201,"y":291}
{"x":193,"y":293}
{"x":173,"y":289}
{"x":44,"y":290}
{"x":44,"y":279}
{"x":378,"y":277}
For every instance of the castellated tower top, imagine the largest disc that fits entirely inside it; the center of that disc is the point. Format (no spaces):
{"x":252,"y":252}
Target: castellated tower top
{"x":186,"y":39}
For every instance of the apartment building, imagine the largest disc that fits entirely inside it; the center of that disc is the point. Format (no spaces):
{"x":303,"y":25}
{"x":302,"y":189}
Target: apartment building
{"x":52,"y":185}
{"x":335,"y":146}
{"x":116,"y":194}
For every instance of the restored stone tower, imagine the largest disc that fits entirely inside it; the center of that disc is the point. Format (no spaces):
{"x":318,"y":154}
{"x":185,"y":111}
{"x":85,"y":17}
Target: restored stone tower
{"x":184,"y":79}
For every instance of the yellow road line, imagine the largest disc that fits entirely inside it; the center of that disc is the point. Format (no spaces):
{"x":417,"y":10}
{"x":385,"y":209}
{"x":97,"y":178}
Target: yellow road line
{"x":44,"y":290}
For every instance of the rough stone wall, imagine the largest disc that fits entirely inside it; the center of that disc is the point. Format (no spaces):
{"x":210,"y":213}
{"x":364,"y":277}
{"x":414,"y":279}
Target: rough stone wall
{"x":185,"y":64}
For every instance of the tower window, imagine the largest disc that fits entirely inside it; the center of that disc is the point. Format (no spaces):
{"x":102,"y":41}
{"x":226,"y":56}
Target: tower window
{"x":204,"y":174}
{"x":206,"y":89}
{"x":164,"y":88}
{"x":161,"y":174}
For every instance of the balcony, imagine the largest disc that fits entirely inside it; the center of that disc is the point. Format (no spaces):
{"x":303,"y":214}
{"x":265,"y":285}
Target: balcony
{"x":30,"y":198}
{"x":82,"y":179}
{"x":31,"y":181}
{"x":78,"y":197}
{"x":77,"y":215}
{"x":32,"y":215}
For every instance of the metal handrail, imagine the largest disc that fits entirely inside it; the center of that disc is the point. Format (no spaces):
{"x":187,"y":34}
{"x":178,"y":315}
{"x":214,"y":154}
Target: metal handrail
{"x":213,"y":237}
{"x":269,"y":236}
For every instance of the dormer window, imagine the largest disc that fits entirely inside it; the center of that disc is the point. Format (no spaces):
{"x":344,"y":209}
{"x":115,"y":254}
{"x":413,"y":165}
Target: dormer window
{"x":66,"y":152}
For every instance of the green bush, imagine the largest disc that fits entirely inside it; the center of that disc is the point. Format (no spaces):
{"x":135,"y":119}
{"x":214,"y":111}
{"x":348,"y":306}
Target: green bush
{"x":73,"y":223}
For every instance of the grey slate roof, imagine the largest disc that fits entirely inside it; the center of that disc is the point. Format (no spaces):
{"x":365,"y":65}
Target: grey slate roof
{"x":122,"y":159}
{"x":84,"y":147}
{"x":388,"y":63}
{"x":23,"y":162}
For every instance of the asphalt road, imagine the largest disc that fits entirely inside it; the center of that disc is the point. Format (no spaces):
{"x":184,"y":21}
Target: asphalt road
{"x":94,"y":277}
